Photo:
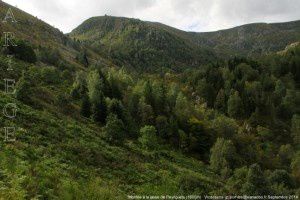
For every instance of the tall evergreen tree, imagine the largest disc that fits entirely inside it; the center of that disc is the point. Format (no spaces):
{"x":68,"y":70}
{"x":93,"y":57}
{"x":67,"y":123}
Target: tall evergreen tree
{"x":223,"y":155}
{"x":99,"y":108}
{"x":256,"y":183}
{"x":235,"y":107}
{"x":148,"y":94}
{"x":220,"y":103}
{"x":114,"y":129}
{"x":85,"y":106}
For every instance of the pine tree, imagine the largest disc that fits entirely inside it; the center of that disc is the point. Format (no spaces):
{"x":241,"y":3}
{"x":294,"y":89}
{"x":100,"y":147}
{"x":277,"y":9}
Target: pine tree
{"x":256,"y":183}
{"x":95,"y":86}
{"x":235,"y":107}
{"x":148,"y":94}
{"x":99,"y":109}
{"x":148,"y":137}
{"x":114,"y":129}
{"x":116,"y":107}
{"x":85,"y":106}
{"x":223,"y":155}
{"x":220,"y":103}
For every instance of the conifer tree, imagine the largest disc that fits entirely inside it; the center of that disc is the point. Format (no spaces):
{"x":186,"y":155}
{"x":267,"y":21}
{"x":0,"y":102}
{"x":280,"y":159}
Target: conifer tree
{"x":235,"y":107}
{"x":85,"y":106}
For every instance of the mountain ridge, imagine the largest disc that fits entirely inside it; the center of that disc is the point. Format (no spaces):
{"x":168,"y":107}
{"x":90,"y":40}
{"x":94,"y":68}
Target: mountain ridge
{"x":245,"y":40}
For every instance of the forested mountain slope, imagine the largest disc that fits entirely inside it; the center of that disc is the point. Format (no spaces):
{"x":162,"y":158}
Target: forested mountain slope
{"x":89,"y":127}
{"x":142,"y":45}
{"x":251,"y":39}
{"x":155,"y":45}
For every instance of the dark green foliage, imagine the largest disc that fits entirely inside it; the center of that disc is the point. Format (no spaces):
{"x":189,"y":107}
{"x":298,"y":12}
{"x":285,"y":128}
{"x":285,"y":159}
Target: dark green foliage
{"x":281,"y":177}
{"x":206,"y":91}
{"x":223,"y":157}
{"x":192,"y":185}
{"x":235,"y":107}
{"x":200,"y":139}
{"x":148,"y":94}
{"x":254,"y":181}
{"x":23,"y":89}
{"x":50,"y":75}
{"x":148,"y":137}
{"x":225,"y":127}
{"x":85,"y":106}
{"x":145,"y":113}
{"x":220,"y":103}
{"x":49,"y":56}
{"x":22,"y":51}
{"x":295,"y":167}
{"x":116,"y":107}
{"x":149,"y":129}
{"x":162,"y":126}
{"x":295,"y":129}
{"x":144,"y":46}
{"x":114,"y":129}
{"x":79,"y":86}
{"x":99,"y":108}
{"x":83,"y":58}
{"x":63,"y":101}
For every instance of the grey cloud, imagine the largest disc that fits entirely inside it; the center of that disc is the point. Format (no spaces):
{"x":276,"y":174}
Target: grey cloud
{"x":193,"y":15}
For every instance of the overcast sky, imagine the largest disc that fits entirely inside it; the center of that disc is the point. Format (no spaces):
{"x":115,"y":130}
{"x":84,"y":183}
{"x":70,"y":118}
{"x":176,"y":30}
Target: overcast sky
{"x":190,"y":15}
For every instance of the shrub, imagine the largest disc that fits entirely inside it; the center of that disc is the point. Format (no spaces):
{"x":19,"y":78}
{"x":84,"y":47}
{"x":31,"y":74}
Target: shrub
{"x":148,"y":137}
{"x":49,"y":56}
{"x":22,"y":51}
{"x":50,"y":75}
{"x":85,"y":106}
{"x":114,"y":129}
{"x":223,"y":155}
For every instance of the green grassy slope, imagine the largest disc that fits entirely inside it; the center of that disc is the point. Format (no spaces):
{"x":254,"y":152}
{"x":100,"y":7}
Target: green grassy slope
{"x":42,"y":35}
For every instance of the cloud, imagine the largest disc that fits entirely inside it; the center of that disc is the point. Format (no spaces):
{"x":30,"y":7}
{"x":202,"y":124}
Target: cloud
{"x":190,"y":15}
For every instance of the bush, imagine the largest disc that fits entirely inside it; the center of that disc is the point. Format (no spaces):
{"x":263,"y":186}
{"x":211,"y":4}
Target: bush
{"x":192,"y":185}
{"x":90,"y":190}
{"x":114,"y":129}
{"x":49,"y":56}
{"x":23,"y":90}
{"x":50,"y":75}
{"x":85,"y":106}
{"x":62,"y":101}
{"x":223,"y":155}
{"x":22,"y":51}
{"x":148,"y":137}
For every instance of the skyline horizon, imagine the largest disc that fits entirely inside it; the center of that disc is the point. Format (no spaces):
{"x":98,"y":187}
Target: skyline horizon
{"x":66,"y":21}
